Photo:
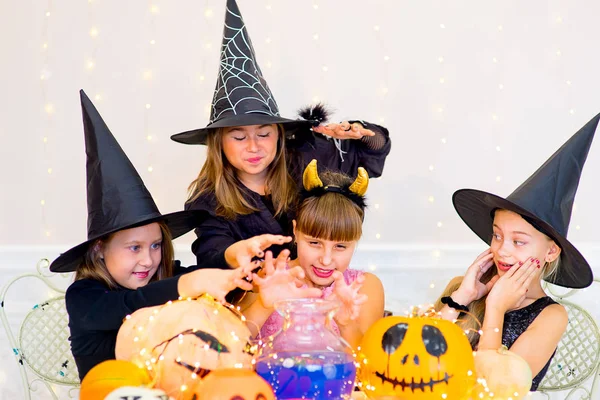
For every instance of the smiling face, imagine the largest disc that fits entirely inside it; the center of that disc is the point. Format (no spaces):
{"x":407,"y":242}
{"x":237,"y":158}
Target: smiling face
{"x":250,"y":149}
{"x":132,"y":256}
{"x":514,"y":240}
{"x":319,"y":258}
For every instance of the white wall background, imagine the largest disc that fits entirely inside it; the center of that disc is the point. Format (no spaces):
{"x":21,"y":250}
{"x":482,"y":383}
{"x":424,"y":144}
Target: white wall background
{"x":475,"y":94}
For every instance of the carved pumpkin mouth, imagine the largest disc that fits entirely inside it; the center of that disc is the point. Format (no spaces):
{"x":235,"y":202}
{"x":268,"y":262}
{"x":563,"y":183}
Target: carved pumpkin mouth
{"x":412,"y":385}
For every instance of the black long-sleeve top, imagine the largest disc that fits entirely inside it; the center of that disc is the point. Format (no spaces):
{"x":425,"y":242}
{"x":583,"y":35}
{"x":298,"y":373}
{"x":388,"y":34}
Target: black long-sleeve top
{"x":216,"y":233}
{"x":96,"y":314}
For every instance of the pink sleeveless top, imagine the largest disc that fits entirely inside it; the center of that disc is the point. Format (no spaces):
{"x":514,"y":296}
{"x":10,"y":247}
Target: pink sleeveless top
{"x":275,"y":321}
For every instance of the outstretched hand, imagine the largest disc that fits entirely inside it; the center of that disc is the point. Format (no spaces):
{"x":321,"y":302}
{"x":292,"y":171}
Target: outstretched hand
{"x":344,"y":130}
{"x":281,"y":283}
{"x":347,"y":297}
{"x":241,"y":253}
{"x":223,"y":281}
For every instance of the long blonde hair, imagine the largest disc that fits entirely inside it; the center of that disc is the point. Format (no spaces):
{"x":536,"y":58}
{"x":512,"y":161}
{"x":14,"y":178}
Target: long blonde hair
{"x":93,"y":266}
{"x":331,"y":216}
{"x":218,"y":176}
{"x":471,"y":322}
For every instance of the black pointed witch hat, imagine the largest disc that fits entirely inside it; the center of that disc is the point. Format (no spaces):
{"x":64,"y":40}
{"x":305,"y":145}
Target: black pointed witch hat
{"x":242,"y":96}
{"x":545,"y":200}
{"x":116,"y":195}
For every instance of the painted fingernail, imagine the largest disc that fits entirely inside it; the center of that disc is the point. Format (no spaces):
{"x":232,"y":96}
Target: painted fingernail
{"x":537,"y":261}
{"x":520,"y":262}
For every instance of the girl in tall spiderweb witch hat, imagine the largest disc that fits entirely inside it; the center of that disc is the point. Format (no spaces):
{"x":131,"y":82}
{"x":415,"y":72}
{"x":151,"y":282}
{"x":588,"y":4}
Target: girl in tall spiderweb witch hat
{"x":250,"y":181}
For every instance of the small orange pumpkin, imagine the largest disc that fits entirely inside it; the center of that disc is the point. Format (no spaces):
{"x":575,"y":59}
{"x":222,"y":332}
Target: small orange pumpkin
{"x":506,"y":375}
{"x":110,"y":375}
{"x":416,"y":358}
{"x":235,"y":384}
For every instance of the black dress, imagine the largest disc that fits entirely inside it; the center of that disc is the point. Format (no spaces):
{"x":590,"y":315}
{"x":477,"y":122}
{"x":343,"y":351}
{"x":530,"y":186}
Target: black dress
{"x":517,"y":321}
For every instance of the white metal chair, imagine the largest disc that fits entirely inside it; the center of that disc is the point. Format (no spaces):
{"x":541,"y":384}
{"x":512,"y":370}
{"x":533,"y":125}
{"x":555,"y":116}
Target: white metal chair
{"x":42,"y":348}
{"x":577,"y":358}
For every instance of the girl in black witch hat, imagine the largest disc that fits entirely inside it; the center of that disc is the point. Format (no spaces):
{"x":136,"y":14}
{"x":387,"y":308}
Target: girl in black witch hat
{"x":526,"y":232}
{"x":250,"y":181}
{"x":127,"y":261}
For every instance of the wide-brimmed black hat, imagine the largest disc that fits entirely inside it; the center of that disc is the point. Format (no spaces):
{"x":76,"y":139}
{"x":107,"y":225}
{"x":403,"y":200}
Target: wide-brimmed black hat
{"x":242,"y":96}
{"x":116,"y":195}
{"x":545,"y":200}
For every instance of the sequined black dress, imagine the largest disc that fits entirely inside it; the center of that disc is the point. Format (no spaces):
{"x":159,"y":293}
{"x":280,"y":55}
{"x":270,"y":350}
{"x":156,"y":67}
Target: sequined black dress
{"x":516,"y":322}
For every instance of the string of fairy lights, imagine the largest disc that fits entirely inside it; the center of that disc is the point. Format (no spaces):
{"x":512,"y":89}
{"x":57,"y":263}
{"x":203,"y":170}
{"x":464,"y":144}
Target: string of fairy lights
{"x":148,"y":75}
{"x":48,"y":123}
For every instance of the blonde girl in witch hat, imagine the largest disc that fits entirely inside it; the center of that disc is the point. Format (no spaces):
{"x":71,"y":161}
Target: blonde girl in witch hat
{"x":327,"y":229}
{"x":255,"y":158}
{"x":127,"y":261}
{"x":527,"y":235}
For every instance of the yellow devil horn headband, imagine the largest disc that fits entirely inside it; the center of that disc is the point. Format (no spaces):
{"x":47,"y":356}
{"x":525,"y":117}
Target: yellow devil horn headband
{"x":356,"y":191}
{"x":311,"y":179}
{"x":361,"y":183}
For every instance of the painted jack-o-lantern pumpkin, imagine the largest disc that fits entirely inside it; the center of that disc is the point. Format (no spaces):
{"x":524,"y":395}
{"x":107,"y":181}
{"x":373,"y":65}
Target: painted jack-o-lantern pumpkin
{"x":416,"y":358}
{"x":235,"y":384}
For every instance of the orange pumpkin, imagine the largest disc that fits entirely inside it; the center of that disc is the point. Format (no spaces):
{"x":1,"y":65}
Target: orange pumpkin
{"x":235,"y":384}
{"x":181,"y":341}
{"x":506,"y":375}
{"x":110,"y":375}
{"x":416,"y":358}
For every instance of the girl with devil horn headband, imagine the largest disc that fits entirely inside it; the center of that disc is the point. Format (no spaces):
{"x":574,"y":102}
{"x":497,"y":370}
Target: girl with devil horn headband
{"x":327,"y":229}
{"x":255,"y":157}
{"x":527,"y":233}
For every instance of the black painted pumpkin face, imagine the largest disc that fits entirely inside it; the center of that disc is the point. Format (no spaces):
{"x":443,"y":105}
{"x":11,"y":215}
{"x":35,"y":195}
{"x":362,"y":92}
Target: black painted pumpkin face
{"x":416,"y":358}
{"x":235,"y":384}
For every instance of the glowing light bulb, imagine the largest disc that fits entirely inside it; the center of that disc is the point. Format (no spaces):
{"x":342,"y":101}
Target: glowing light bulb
{"x":152,"y":41}
{"x":431,"y":199}
{"x":98,"y":97}
{"x":316,"y":36}
{"x":441,"y":59}
{"x":49,"y":171}
{"x":376,"y":28}
{"x":444,"y":141}
{"x":94,"y":32}
{"x":377,"y":236}
{"x":442,"y":26}
{"x":149,"y":138}
{"x":154,"y":9}
{"x":43,"y":202}
{"x":208,"y":13}
{"x":150,"y":169}
{"x":148,"y":106}
{"x":439,"y":224}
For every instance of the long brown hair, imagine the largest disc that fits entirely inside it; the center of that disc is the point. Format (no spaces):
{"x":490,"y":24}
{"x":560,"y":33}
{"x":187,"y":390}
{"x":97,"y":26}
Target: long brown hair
{"x":218,"y":176}
{"x":331,"y":216}
{"x":93,"y":266}
{"x":471,"y":322}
